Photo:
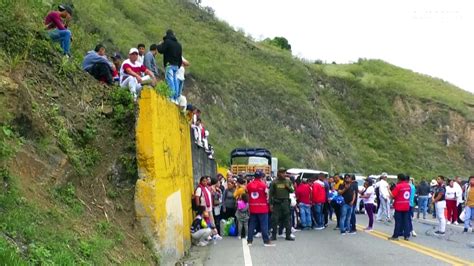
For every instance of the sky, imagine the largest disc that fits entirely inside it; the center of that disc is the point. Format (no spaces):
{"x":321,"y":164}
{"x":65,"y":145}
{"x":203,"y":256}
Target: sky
{"x":432,"y":37}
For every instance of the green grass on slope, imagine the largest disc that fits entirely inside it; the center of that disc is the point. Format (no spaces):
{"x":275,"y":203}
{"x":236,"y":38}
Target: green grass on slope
{"x":378,"y":74}
{"x":255,"y":95}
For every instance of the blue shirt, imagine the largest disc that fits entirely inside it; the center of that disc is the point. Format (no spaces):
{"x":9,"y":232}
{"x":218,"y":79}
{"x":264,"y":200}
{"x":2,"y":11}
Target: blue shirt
{"x":93,"y":58}
{"x":412,"y":195}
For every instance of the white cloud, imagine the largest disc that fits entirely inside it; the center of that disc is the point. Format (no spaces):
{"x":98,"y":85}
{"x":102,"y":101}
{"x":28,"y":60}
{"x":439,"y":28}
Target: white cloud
{"x":433,"y":37}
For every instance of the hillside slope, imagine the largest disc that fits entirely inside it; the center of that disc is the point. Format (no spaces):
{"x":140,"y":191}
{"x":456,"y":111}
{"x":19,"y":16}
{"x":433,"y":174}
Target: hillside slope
{"x":67,"y":144}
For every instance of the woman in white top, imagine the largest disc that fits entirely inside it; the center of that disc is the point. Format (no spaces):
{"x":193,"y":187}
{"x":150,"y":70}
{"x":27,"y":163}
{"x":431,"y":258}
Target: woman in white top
{"x":368,"y":196}
{"x":451,"y":202}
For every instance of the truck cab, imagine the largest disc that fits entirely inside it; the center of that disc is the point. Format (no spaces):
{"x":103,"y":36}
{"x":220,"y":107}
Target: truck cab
{"x":249,"y":160}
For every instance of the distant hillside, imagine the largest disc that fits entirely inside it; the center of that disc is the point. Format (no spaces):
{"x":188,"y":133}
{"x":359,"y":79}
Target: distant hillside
{"x":67,"y":144}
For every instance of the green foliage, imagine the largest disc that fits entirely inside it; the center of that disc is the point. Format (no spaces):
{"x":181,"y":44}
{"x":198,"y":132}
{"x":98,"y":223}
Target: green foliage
{"x":124,"y":111}
{"x":163,"y":89}
{"x":67,"y":195}
{"x":280,"y":42}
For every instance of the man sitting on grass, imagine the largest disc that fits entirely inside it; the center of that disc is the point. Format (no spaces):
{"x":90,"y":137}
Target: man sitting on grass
{"x":133,"y":75}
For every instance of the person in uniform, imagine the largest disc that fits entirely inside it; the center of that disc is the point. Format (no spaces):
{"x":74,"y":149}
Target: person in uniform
{"x":280,"y":190}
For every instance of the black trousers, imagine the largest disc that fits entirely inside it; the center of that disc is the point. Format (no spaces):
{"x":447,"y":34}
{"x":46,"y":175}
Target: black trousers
{"x":337,"y":210}
{"x":101,"y":71}
{"x":402,"y":224}
{"x":326,"y":213}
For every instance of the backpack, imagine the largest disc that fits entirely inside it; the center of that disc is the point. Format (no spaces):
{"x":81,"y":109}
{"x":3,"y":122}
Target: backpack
{"x":339,"y":200}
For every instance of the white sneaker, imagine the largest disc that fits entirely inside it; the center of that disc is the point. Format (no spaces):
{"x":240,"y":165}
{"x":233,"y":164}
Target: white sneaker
{"x":258,"y":235}
{"x":456,"y":223}
{"x":413,"y":233}
{"x":448,"y":222}
{"x":292,"y":236}
{"x":218,"y":237}
{"x":239,"y":237}
{"x":202,"y":244}
{"x":294,"y":230}
{"x":281,"y":236}
{"x":269,"y":244}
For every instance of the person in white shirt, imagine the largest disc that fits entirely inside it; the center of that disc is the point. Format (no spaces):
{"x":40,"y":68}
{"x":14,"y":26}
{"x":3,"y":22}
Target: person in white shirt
{"x":133,"y":74}
{"x":384,"y":208}
{"x":451,"y":202}
{"x":141,"y":53}
{"x":368,"y":196}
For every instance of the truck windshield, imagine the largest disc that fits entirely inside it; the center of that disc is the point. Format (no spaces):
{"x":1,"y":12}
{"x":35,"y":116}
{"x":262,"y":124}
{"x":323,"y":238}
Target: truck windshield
{"x":250,"y":161}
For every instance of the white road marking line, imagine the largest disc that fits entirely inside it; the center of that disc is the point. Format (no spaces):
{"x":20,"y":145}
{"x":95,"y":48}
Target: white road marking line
{"x":246,"y":249}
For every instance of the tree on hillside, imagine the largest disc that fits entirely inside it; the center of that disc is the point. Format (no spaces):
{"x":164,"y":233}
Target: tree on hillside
{"x":280,"y":42}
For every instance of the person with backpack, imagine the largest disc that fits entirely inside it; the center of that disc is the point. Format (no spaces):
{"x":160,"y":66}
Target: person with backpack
{"x":347,"y":193}
{"x":200,"y":232}
{"x":243,"y":214}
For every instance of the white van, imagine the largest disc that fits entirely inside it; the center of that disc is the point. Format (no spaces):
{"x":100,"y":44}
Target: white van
{"x":306,"y":173}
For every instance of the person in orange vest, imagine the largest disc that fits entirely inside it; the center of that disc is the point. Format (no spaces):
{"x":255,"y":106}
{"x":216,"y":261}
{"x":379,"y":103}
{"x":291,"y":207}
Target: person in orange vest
{"x":401,"y":196}
{"x":259,"y":208}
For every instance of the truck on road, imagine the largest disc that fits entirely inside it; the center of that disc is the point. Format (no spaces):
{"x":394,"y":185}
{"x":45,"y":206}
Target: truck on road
{"x":249,"y":160}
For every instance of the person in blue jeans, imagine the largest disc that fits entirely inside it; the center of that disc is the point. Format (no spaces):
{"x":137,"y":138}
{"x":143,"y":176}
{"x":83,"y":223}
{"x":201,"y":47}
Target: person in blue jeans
{"x":172,"y":61}
{"x":57,"y":28}
{"x":469,"y":209}
{"x":423,"y":191}
{"x":349,"y":198}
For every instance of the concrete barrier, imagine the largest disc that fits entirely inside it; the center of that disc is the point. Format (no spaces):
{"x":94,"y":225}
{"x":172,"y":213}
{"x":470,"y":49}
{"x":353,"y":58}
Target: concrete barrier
{"x":165,"y":185}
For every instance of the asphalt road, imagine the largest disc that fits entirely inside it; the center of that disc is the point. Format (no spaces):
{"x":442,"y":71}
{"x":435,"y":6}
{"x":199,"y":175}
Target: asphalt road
{"x":328,"y":247}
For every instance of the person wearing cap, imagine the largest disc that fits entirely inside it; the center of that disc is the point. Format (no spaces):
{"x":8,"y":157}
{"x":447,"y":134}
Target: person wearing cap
{"x":172,"y":61}
{"x":56,"y":24}
{"x":96,"y":63}
{"x":132,"y":74}
{"x":384,"y":209}
{"x":280,"y":190}
{"x":259,"y":209}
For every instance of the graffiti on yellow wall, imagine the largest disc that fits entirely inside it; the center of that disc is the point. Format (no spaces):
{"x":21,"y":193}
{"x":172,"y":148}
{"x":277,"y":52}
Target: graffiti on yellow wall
{"x":164,"y":188}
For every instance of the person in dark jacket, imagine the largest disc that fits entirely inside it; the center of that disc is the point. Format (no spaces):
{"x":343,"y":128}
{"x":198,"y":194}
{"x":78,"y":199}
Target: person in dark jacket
{"x":423,"y":196}
{"x":172,"y":61}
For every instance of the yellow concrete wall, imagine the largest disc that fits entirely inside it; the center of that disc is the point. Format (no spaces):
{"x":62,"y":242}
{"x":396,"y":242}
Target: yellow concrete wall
{"x":164,"y":189}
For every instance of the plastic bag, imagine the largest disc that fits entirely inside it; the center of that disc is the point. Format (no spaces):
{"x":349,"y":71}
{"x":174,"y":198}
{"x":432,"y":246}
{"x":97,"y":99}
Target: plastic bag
{"x":462,"y":216}
{"x":222,"y":226}
{"x":233,"y":230}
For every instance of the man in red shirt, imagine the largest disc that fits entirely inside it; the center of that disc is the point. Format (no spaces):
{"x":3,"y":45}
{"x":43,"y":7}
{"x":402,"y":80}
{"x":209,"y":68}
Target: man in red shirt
{"x":401,"y":195}
{"x":258,"y":206}
{"x":134,"y":75}
{"x":319,"y":198}
{"x":303,"y":196}
{"x":58,"y":31}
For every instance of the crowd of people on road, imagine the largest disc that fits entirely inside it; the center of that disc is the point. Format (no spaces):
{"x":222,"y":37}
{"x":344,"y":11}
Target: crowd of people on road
{"x":270,"y":209}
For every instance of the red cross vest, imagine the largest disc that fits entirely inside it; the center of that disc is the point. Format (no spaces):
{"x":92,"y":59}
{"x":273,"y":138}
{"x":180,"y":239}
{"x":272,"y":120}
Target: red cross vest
{"x":257,"y":191}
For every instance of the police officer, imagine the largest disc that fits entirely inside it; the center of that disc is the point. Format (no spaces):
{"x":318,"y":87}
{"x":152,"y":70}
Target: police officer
{"x":280,"y":190}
